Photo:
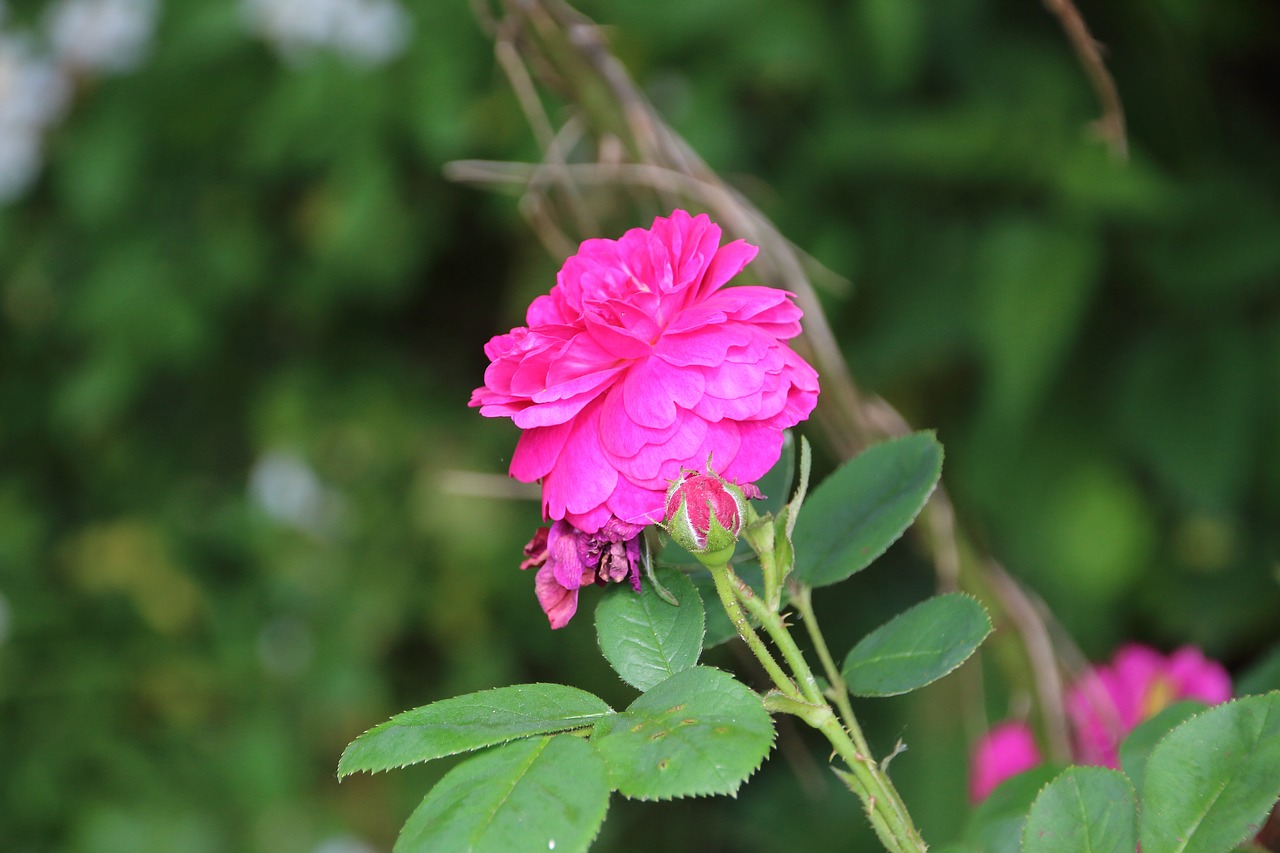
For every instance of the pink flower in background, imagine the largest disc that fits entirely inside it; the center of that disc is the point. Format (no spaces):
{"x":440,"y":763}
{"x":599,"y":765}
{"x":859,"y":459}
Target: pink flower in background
{"x":568,"y":559}
{"x":1102,"y":707}
{"x":639,"y":363}
{"x":1007,"y":750}
{"x":1111,"y":700}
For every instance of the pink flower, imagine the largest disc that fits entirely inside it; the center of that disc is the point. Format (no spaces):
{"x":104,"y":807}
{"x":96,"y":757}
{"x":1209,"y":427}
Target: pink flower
{"x":1107,"y":703}
{"x":568,"y":559}
{"x":1111,"y":700}
{"x":1005,"y":751}
{"x":639,"y":363}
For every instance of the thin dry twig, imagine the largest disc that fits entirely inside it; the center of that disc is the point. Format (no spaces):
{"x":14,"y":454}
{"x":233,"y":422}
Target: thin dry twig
{"x":1110,"y":125}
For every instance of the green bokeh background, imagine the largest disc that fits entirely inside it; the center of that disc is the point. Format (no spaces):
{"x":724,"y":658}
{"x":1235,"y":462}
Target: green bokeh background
{"x":235,"y":264}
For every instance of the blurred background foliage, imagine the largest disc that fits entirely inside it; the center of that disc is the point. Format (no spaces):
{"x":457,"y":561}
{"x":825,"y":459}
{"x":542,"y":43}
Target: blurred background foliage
{"x":241,"y":312}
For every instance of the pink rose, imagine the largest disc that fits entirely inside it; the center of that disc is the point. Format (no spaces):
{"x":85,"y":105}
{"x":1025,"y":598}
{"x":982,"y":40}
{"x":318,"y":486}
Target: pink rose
{"x":1005,"y":751}
{"x":1102,"y":707}
{"x":1110,"y":700}
{"x":639,"y":363}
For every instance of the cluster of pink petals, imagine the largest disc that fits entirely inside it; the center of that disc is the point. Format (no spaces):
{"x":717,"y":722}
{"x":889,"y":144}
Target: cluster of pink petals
{"x":1110,"y":700}
{"x":1107,"y":703}
{"x":568,"y":559}
{"x":639,"y":363}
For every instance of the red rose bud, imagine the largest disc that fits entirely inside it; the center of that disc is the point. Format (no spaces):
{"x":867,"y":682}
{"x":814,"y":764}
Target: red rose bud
{"x":704,"y":515}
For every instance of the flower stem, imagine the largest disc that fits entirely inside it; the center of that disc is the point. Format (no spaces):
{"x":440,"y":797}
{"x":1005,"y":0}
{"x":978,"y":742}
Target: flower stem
{"x":802,"y":600}
{"x":720,"y":574}
{"x":804,"y":698}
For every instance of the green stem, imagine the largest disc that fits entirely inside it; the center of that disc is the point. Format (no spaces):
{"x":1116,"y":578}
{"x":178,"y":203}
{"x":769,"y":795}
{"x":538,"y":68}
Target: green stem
{"x":720,"y":574}
{"x":885,"y":809}
{"x":802,"y":599}
{"x":777,"y":631}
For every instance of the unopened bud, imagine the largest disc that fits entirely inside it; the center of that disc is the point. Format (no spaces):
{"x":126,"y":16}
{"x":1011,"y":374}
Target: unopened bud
{"x":704,"y":515}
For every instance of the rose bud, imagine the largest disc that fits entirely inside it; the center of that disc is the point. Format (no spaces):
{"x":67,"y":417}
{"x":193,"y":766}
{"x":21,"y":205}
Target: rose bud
{"x":704,"y":515}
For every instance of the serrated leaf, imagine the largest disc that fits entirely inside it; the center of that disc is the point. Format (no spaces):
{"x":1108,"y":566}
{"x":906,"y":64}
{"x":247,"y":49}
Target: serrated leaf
{"x":538,"y":794}
{"x":1211,"y":782}
{"x":647,"y":640}
{"x":1086,"y":809}
{"x":470,"y":722}
{"x":917,"y":647}
{"x":996,"y":824}
{"x":699,"y":732}
{"x":802,"y":487}
{"x":856,"y":513}
{"x":1137,"y":745}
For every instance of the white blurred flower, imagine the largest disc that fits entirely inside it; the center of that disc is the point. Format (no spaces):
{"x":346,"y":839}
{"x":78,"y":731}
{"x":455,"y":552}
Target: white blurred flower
{"x":367,"y":32}
{"x":343,"y":844}
{"x":33,"y":95}
{"x":373,"y":32}
{"x":20,"y":162}
{"x":33,"y":90}
{"x":101,"y":36}
{"x":288,"y":490}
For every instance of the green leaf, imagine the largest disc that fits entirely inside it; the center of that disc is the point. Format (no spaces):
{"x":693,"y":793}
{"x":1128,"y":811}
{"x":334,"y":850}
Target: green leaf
{"x":1090,"y":809}
{"x":645,"y":639}
{"x":802,"y":488}
{"x":699,"y":732}
{"x":1212,"y":781}
{"x":1136,"y":748}
{"x":997,"y":822}
{"x":539,"y":794}
{"x":861,"y":509}
{"x":776,"y":485}
{"x":917,"y":647}
{"x":470,"y":722}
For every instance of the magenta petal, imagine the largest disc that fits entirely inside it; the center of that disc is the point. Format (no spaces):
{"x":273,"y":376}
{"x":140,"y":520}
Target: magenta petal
{"x":537,"y":452}
{"x":636,"y":504}
{"x":591,"y":520}
{"x":557,"y":602}
{"x":1005,"y":751}
{"x":654,"y":392}
{"x":623,"y":438}
{"x":702,"y":347}
{"x":582,"y":478}
{"x":562,"y":556}
{"x":727,"y":263}
{"x":655,"y":464}
{"x":1196,"y":677}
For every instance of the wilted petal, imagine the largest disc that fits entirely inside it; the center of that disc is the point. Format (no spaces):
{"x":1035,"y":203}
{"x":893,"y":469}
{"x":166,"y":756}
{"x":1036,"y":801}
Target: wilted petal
{"x":557,"y":602}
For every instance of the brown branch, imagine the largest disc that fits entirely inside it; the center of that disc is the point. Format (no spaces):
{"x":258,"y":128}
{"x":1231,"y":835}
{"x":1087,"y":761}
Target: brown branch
{"x":636,"y":150}
{"x":1110,"y":125}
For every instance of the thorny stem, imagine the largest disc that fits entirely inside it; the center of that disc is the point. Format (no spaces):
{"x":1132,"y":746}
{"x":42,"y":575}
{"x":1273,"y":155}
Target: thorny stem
{"x":739,"y":619}
{"x":802,"y":600}
{"x":803,"y":697}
